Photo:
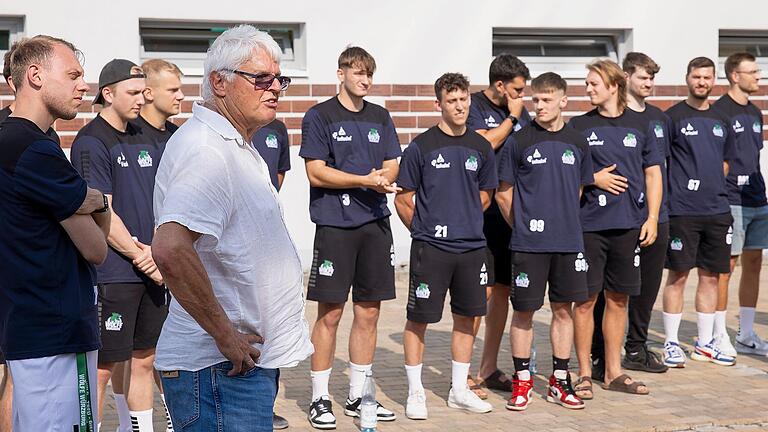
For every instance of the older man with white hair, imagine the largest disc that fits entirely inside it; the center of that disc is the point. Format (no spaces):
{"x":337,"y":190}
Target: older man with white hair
{"x":223,"y":247}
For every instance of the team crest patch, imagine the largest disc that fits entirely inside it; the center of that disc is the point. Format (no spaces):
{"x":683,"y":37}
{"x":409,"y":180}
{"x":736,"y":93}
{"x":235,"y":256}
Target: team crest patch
{"x":676,"y":244}
{"x":471,"y":163}
{"x":144,"y":160}
{"x":717,"y":130}
{"x":568,"y":157}
{"x":373,"y":135}
{"x":326,"y":268}
{"x":658,"y":131}
{"x":271,"y":141}
{"x":522,"y":280}
{"x":422,"y":291}
{"x":756,"y":128}
{"x":114,"y":322}
{"x":630,"y":140}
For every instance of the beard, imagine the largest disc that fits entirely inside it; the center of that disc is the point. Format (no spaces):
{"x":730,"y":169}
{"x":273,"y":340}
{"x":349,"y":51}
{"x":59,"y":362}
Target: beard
{"x":700,"y":96}
{"x":58,"y":108}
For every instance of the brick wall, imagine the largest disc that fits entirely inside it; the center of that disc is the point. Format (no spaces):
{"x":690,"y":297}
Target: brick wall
{"x":411,"y":106}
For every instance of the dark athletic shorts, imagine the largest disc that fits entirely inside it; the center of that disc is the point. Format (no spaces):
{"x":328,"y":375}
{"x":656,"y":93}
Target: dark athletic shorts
{"x":131,"y":316}
{"x":497,"y":234}
{"x":565,"y":273}
{"x":434,"y":272}
{"x":613,"y":257}
{"x":362,"y":258}
{"x":700,"y":241}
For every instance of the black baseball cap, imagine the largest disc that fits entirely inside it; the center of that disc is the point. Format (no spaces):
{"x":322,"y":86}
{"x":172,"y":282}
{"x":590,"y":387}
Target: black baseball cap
{"x":115,"y":71}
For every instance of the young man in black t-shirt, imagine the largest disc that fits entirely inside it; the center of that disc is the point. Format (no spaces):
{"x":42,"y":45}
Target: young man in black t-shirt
{"x":120,"y":157}
{"x":350,"y":149}
{"x":273,"y":146}
{"x":495,"y":113}
{"x":542,"y":171}
{"x":448,"y":175}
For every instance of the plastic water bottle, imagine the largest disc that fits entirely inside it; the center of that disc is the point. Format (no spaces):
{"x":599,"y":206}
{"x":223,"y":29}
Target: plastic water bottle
{"x":532,"y":366}
{"x":368,"y":405}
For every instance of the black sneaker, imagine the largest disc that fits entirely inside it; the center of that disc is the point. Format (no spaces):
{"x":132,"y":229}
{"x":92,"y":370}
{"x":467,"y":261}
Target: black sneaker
{"x":643,"y":360}
{"x":279,"y":422}
{"x":352,"y":409}
{"x":321,"y":414}
{"x":598,"y":369}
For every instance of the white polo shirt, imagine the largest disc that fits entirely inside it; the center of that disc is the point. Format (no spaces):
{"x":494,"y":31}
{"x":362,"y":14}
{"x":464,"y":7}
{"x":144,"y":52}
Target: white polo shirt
{"x":214,"y":183}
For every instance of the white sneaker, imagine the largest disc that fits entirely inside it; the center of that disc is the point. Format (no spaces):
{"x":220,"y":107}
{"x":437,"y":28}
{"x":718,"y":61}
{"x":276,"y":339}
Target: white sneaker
{"x":466,"y":399}
{"x":751,"y":344}
{"x":724,"y":344}
{"x":674,"y":356}
{"x":416,"y":407}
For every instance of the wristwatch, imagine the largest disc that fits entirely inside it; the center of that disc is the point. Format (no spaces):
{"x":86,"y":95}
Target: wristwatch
{"x":106,"y":205}
{"x":514,"y":119}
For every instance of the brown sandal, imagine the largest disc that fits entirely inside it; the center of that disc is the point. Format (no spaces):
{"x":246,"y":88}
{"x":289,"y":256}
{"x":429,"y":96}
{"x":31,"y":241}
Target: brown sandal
{"x":619,"y":384}
{"x":495,"y":382}
{"x":583,"y":388}
{"x":476,"y":388}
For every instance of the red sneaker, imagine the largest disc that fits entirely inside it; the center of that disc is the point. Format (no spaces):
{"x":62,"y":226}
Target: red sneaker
{"x":561,"y":392}
{"x":521,"y":394}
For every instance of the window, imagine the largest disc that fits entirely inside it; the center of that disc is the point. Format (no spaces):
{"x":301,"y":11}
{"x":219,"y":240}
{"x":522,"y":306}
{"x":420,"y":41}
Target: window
{"x":11,"y":30}
{"x":186,"y":42}
{"x":560,"y":50}
{"x":733,"y":41}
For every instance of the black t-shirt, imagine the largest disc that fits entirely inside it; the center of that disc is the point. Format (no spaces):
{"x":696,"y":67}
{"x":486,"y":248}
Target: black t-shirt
{"x":353,"y":142}
{"x":700,"y":142}
{"x":448,"y":173}
{"x":626,"y":142}
{"x":547,"y":170}
{"x":745,"y":182}
{"x":271,"y":142}
{"x":122,"y":164}
{"x":47,"y":293}
{"x":660,"y":127}
{"x":6,"y":112}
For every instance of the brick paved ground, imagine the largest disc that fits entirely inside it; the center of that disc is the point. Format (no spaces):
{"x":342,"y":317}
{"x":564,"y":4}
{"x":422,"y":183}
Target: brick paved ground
{"x":701,"y":397}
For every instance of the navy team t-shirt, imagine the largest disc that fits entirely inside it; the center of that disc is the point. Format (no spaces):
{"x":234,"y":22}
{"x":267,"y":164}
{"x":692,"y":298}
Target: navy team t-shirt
{"x":624,"y":141}
{"x":6,"y":112}
{"x":659,"y":127}
{"x":547,"y":170}
{"x":47,"y":293}
{"x":448,"y":172}
{"x":271,"y":142}
{"x":122,"y":164}
{"x":353,"y":142}
{"x":745,"y":182}
{"x":700,"y":141}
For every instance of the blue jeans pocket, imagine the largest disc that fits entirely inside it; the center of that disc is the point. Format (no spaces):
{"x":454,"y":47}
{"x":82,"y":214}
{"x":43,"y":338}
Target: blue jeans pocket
{"x":183,"y":398}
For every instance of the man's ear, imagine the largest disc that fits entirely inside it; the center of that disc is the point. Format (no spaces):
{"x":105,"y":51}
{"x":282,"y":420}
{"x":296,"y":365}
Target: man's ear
{"x":218,"y":84}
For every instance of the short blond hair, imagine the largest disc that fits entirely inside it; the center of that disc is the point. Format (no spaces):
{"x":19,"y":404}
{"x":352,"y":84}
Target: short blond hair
{"x":34,"y":50}
{"x":153,"y":67}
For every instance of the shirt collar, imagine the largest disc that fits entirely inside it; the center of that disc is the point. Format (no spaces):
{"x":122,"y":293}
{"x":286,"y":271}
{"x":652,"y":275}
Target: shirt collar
{"x":217,"y":122}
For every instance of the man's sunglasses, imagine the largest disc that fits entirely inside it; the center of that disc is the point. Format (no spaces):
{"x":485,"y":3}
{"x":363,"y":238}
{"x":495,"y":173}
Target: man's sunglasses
{"x":263,"y":81}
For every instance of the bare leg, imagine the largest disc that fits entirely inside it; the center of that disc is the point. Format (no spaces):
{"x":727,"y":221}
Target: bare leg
{"x":707,"y":292}
{"x":584,"y":326}
{"x":462,"y":338}
{"x":324,"y":335}
{"x":413,"y":342}
{"x":362,"y":336}
{"x":724,"y":280}
{"x":561,"y":331}
{"x":673,"y":291}
{"x":521,"y":333}
{"x":614,"y":326}
{"x":495,"y":323}
{"x":749,"y":285}
{"x":139,"y":394}
{"x":104,"y":374}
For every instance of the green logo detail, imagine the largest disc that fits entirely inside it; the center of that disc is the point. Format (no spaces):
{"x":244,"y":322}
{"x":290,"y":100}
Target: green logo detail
{"x":326,"y":268}
{"x":373,"y":135}
{"x":422,"y":291}
{"x":144,"y":160}
{"x":630,"y":140}
{"x":522,"y":280}
{"x":568,"y":157}
{"x":676,"y":244}
{"x":471,"y":163}
{"x":271,"y":141}
{"x":114,"y":322}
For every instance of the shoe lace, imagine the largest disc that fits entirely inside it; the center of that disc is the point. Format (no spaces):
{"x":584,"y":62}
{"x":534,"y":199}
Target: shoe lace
{"x":672,"y":350}
{"x":322,"y":407}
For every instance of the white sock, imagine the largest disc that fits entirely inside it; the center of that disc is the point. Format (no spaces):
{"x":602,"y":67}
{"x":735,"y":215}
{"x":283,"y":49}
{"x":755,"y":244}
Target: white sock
{"x":523,"y":375}
{"x":459,"y":372}
{"x":706,"y":325}
{"x":746,"y":320}
{"x":168,"y":422}
{"x":357,"y":379}
{"x":123,"y":415}
{"x":414,"y":378}
{"x":142,"y":421}
{"x":320,"y":383}
{"x":671,"y":326}
{"x":720,"y":327}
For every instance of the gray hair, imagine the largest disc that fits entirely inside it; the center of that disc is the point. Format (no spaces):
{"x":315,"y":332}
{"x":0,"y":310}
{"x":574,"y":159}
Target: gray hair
{"x":233,"y":48}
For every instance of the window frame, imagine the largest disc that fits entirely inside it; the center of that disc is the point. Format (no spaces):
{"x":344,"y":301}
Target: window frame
{"x":759,"y":35}
{"x":15,"y":25}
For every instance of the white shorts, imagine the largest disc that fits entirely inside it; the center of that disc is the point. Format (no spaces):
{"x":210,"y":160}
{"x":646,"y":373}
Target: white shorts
{"x":47,"y":393}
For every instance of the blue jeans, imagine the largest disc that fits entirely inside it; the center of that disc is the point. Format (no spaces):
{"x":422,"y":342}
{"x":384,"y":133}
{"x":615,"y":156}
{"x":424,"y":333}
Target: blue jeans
{"x":210,"y":401}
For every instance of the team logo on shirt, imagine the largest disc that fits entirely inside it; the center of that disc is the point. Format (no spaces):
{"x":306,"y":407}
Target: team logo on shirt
{"x":729,"y":236}
{"x":114,"y":322}
{"x":471,"y":163}
{"x":341,"y":135}
{"x":676,"y":244}
{"x":271,"y":141}
{"x":522,"y":280}
{"x":580,"y":264}
{"x":568,"y":157}
{"x":422,"y":291}
{"x":717,"y":130}
{"x":658,"y":131}
{"x":535,"y":158}
{"x":373,"y":135}
{"x":756,"y":128}
{"x":326,"y":268}
{"x":593,"y":140}
{"x":491,"y":122}
{"x":122,"y":161}
{"x":737,"y":127}
{"x":630,"y":140}
{"x":144,"y":159}
{"x":689,"y":131}
{"x":439,"y":162}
